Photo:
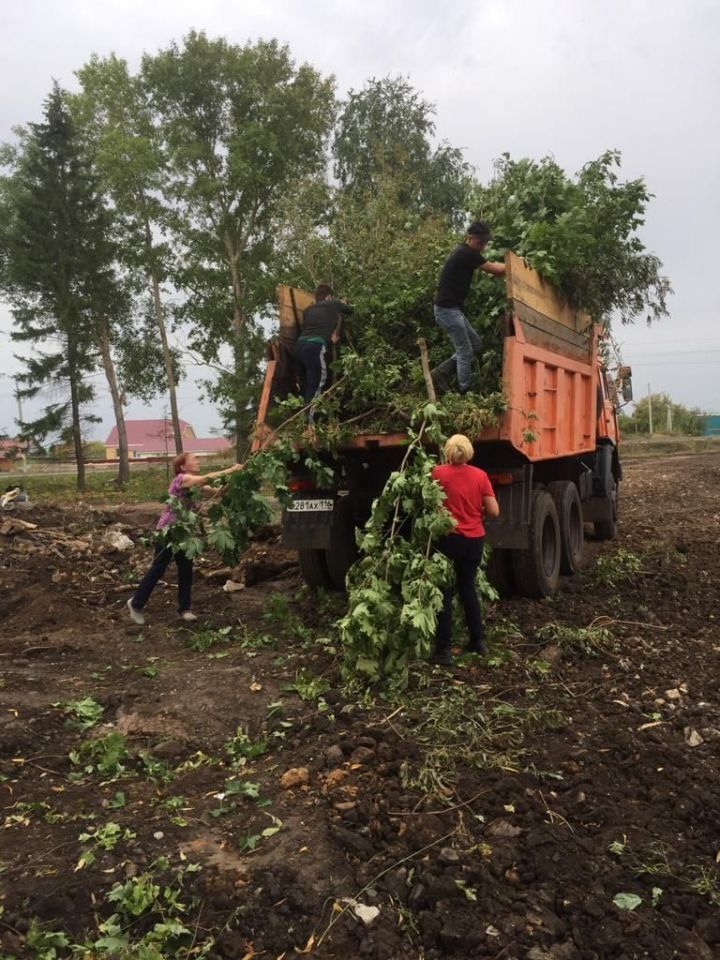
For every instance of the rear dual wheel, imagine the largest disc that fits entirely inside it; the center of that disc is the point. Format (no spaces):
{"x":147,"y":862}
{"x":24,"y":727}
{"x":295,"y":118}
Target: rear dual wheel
{"x":607,"y":529}
{"x":314,"y":569}
{"x":570,"y":515}
{"x":499,"y":572}
{"x":327,"y":569}
{"x":537,"y":569}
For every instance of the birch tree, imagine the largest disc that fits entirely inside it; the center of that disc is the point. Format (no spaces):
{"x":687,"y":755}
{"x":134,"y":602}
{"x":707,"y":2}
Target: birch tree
{"x":113,"y":113}
{"x":239,"y":125}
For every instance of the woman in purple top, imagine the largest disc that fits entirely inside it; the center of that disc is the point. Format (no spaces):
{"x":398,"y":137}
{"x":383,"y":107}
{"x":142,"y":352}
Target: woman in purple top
{"x":186,"y":478}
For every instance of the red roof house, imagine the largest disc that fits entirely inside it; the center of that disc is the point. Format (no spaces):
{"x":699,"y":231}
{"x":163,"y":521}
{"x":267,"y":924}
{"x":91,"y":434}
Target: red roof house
{"x":10,"y":452}
{"x":155,"y":438}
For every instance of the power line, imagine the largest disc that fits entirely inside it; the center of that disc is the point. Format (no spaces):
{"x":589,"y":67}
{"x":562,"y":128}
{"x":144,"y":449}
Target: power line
{"x":671,"y":353}
{"x":684,"y":340}
{"x":672,"y":363}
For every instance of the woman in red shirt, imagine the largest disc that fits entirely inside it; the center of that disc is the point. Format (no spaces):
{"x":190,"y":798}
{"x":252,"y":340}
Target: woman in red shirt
{"x":469,"y":497}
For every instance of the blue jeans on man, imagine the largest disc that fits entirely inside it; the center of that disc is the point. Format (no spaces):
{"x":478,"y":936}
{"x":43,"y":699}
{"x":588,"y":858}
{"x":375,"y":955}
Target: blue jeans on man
{"x":465,"y":341}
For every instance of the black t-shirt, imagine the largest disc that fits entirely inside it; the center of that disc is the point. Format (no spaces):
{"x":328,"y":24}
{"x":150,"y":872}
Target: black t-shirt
{"x":456,"y":276}
{"x":320,"y":319}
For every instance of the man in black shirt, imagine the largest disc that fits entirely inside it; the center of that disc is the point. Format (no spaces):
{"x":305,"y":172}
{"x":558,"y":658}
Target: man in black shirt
{"x":453,"y":287}
{"x":321,"y":326}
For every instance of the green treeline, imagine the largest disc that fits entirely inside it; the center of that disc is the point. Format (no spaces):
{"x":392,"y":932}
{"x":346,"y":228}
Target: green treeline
{"x":667,"y":417}
{"x":146,"y":220}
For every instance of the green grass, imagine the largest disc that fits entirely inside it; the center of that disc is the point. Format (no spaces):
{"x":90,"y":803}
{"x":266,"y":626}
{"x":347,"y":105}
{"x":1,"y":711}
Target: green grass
{"x":660,"y":445}
{"x":146,"y":483}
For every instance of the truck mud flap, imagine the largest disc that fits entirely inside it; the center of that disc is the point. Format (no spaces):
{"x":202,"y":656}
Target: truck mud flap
{"x":510,"y":530}
{"x":597,"y":508}
{"x":307,"y":525}
{"x":603,"y":479}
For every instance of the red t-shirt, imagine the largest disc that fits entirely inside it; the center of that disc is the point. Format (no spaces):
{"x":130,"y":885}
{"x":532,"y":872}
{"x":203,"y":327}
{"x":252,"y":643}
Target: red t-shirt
{"x":464,"y":486}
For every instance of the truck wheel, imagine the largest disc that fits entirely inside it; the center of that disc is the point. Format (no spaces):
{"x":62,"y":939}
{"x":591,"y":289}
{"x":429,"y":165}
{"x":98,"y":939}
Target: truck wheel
{"x":343,"y":550}
{"x":569,"y":510}
{"x":314,"y":569}
{"x":537,"y":569}
{"x":607,"y":529}
{"x":499,"y":571}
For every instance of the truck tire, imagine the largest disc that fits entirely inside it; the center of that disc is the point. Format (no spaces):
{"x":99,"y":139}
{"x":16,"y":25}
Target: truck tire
{"x":537,"y":569}
{"x":343,"y":551}
{"x":314,"y":569}
{"x":569,"y":510}
{"x":607,"y":529}
{"x":499,"y":572}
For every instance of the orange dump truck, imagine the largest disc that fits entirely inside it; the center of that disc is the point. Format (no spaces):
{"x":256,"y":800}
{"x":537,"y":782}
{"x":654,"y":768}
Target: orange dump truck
{"x":552,"y":456}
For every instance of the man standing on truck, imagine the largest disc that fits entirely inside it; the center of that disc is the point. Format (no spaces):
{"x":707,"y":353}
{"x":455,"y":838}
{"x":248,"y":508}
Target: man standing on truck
{"x":321,"y":326}
{"x":453,"y":287}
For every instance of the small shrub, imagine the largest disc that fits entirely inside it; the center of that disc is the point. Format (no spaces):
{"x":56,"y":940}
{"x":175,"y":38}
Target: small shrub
{"x":590,"y":641}
{"x":206,"y":637}
{"x":616,"y":567}
{"x":102,"y":755}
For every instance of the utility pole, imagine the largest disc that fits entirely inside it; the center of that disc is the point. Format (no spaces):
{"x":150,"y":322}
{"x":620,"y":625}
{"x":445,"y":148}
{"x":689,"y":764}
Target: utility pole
{"x":669,"y":418}
{"x":19,"y":403}
{"x":650,"y":425}
{"x":20,"y":420}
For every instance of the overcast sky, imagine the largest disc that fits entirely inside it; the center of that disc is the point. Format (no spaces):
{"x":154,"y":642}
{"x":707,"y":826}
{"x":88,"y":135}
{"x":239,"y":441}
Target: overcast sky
{"x":569,"y":78}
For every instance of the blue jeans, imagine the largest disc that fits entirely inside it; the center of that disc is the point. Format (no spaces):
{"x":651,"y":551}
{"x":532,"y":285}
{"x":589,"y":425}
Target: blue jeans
{"x":465,"y":340}
{"x":161,"y":560}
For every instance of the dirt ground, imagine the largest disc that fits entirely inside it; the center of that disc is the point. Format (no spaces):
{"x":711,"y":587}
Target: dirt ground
{"x":228,"y":798}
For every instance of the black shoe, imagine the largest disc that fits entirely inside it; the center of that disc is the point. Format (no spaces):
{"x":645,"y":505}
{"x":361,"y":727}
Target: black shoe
{"x":441,"y":384}
{"x":443,"y":658}
{"x":478,"y":648}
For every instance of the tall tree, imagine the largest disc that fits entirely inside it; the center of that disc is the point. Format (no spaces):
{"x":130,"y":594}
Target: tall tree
{"x":381,"y":256}
{"x":110,"y":309}
{"x":387,"y":130}
{"x":57,"y":270}
{"x":580,"y":233}
{"x":113,"y":113}
{"x":240,"y":125}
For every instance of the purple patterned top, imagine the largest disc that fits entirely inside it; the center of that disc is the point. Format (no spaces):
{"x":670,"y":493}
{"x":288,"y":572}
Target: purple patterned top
{"x":174,"y":490}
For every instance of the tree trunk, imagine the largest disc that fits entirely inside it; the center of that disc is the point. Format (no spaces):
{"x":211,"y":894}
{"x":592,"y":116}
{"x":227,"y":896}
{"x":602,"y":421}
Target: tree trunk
{"x":239,"y":365}
{"x":109,"y":368}
{"x":75,"y":407}
{"x":238,"y":327}
{"x":167,"y":356}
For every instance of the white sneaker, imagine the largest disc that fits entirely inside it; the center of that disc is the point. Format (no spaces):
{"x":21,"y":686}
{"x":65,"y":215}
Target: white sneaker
{"x":135,"y":615}
{"x":188,"y":616}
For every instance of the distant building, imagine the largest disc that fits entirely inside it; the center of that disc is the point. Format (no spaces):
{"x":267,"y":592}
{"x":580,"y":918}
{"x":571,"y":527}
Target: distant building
{"x":155,"y":438}
{"x":712,"y":425}
{"x":12,"y":453}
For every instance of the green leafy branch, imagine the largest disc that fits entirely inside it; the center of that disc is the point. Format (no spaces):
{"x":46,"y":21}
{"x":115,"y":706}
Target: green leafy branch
{"x":395,"y":589}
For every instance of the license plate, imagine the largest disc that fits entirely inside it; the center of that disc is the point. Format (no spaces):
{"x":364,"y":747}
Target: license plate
{"x":311,"y":506}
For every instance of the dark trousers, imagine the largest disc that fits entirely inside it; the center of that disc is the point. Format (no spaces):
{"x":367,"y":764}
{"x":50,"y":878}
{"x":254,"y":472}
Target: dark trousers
{"x":466,"y":554}
{"x":161,"y":560}
{"x":310,"y":357}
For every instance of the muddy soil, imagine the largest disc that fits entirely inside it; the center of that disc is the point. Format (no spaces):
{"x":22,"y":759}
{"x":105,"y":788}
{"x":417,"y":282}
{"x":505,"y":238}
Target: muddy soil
{"x":556,"y":801}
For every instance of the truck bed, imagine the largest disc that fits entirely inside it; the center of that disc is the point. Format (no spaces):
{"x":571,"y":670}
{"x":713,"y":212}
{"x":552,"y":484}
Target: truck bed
{"x":550,"y":371}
